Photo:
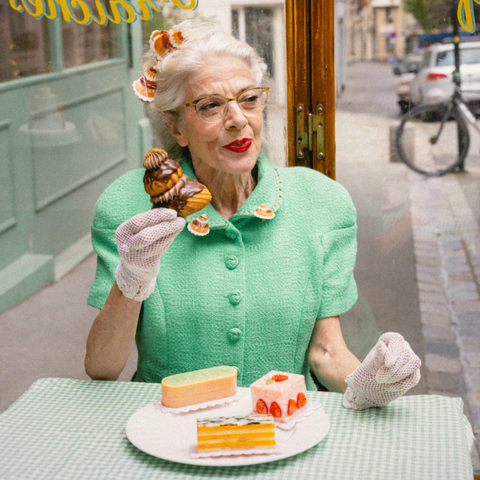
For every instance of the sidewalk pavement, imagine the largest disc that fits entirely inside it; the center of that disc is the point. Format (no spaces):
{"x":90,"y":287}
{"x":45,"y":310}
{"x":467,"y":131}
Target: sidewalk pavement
{"x":446,"y":237}
{"x":45,"y":335}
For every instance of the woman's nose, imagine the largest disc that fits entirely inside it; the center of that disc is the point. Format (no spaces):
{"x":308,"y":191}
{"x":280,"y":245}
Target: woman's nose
{"x":235,"y":118}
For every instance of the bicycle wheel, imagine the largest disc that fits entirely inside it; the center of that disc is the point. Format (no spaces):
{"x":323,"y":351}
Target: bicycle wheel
{"x":429,"y":144}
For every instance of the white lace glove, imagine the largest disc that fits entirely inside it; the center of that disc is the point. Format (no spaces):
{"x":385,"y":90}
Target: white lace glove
{"x":388,"y":371}
{"x":141,"y":241}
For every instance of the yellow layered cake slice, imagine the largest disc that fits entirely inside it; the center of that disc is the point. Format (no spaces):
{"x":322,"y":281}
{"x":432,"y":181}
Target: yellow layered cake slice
{"x":250,"y":432}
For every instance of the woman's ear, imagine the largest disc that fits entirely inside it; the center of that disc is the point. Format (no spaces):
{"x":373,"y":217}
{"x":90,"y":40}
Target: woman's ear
{"x":175,"y":131}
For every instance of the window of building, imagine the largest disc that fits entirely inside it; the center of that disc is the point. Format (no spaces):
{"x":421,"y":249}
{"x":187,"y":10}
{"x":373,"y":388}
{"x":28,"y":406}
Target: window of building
{"x":31,"y":46}
{"x":388,"y":15}
{"x":88,"y":43}
{"x":236,"y":23}
{"x":255,"y":25}
{"x":24,"y":44}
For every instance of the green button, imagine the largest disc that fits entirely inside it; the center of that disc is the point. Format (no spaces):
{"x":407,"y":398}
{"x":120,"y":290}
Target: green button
{"x":232,"y":262}
{"x":234,"y":335}
{"x":235,"y":298}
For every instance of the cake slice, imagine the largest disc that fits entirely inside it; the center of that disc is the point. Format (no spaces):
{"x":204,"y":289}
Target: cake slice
{"x":281,"y":394}
{"x":199,"y":386}
{"x":251,"y":432}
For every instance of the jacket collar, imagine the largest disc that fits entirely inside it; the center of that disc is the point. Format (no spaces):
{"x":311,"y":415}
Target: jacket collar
{"x":268,"y":191}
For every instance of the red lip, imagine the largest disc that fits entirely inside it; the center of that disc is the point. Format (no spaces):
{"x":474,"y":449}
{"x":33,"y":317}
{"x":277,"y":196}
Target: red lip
{"x":239,"y":146}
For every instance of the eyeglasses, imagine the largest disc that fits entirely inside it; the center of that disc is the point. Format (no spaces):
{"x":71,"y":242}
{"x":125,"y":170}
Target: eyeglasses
{"x":213,"y":108}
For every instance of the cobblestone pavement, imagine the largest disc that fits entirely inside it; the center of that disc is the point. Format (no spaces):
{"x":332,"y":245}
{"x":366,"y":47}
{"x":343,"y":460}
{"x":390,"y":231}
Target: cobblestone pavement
{"x":447,"y":250}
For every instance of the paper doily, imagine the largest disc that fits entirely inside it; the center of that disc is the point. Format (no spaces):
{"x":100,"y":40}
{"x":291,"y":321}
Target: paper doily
{"x":194,"y":453}
{"x":309,"y":408}
{"x":198,"y":406}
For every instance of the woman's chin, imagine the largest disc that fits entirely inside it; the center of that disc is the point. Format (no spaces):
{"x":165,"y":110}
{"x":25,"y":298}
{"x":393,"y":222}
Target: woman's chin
{"x":238,"y":163}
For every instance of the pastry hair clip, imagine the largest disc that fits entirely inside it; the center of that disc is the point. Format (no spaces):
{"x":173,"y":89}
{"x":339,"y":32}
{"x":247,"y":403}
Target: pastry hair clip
{"x":146,"y":85}
{"x":162,"y":43}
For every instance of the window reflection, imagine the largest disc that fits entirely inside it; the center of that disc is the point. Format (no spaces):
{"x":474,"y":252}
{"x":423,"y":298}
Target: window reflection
{"x":24,"y":44}
{"x":88,"y":43}
{"x":259,"y":33}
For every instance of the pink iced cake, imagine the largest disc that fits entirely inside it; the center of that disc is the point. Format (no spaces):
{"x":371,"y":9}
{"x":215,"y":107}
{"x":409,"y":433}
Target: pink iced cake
{"x":281,"y":394}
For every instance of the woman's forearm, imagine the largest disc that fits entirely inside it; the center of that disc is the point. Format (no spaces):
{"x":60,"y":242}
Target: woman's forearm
{"x":111,"y":337}
{"x":329,"y":357}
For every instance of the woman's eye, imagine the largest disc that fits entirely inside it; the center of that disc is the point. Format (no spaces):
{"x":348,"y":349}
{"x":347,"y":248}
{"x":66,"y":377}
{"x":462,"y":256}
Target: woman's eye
{"x":212,"y":105}
{"x":250,"y":100}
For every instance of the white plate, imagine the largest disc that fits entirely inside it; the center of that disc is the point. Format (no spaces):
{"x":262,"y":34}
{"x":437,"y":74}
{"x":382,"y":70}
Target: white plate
{"x":171,"y":437}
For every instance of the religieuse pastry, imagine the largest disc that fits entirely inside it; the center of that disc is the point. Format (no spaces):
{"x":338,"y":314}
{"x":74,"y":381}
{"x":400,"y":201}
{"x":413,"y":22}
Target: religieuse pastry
{"x":199,"y":226}
{"x":168,"y":187}
{"x":264,"y":212}
{"x":281,"y":394}
{"x":199,"y":386}
{"x":246,"y":433}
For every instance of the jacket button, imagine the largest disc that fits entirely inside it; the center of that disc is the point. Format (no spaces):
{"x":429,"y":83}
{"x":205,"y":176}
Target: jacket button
{"x":234,"y":334}
{"x":231,"y":233}
{"x":235,"y":298}
{"x":232,"y":262}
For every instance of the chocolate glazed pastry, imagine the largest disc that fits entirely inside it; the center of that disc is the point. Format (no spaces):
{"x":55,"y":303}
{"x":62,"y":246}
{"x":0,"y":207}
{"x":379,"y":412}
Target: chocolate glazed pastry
{"x":168,"y":187}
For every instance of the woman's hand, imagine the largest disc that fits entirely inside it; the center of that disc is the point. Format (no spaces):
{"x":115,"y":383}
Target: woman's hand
{"x":141,"y":241}
{"x":388,"y":371}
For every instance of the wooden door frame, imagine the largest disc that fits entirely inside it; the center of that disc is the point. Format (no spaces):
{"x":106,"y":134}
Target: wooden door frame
{"x":311,"y":74}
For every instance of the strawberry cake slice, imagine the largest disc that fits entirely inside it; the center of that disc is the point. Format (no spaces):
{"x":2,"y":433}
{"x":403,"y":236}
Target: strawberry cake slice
{"x":281,"y":394}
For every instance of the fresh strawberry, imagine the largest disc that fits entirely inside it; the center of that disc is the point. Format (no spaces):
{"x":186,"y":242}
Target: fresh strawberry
{"x":292,"y":407}
{"x":275,"y":409}
{"x":261,"y":407}
{"x":301,"y":400}
{"x":279,"y":378}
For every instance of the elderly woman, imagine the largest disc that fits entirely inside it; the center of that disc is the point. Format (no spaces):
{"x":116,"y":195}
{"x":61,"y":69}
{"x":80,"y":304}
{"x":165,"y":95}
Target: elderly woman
{"x":254,"y":294}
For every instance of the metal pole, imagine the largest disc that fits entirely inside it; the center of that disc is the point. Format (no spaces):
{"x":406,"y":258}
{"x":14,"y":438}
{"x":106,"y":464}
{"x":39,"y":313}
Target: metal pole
{"x":456,"y":74}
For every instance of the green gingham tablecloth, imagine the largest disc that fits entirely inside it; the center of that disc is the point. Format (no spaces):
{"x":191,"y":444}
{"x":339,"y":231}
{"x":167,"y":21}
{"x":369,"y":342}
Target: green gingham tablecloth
{"x":71,"y":429}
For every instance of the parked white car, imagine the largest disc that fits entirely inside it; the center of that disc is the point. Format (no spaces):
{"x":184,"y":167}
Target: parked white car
{"x":434,"y":81}
{"x":407,"y":71}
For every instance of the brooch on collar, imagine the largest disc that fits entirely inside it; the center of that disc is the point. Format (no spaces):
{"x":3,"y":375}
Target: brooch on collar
{"x":199,"y":226}
{"x":264,"y":212}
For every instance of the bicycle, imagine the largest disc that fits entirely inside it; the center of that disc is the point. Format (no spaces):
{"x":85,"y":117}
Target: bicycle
{"x":434,"y":139}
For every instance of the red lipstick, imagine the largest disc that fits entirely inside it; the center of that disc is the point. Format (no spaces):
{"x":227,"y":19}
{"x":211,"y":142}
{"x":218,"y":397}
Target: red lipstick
{"x":239,"y":146}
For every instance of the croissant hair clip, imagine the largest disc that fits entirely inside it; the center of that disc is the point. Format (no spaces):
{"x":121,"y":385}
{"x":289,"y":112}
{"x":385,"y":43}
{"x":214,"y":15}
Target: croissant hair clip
{"x":162,"y":43}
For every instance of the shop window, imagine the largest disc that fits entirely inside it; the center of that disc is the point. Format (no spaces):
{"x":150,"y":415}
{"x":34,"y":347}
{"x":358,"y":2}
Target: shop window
{"x":24,"y":44}
{"x":31,"y":46}
{"x":88,"y":43}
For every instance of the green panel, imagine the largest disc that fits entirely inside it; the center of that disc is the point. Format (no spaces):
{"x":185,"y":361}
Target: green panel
{"x":23,"y":277}
{"x":7,"y":213}
{"x":68,"y":219}
{"x":76,"y":145}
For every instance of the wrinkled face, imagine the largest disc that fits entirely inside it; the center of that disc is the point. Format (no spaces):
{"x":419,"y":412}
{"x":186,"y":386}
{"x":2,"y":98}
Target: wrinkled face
{"x":231,"y":145}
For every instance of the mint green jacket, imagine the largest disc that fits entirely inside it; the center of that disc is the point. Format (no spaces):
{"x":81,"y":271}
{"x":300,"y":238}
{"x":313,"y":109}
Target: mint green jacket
{"x":248,"y":293}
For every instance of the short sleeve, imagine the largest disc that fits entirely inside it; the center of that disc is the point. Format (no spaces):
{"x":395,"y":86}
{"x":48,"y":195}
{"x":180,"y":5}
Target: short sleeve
{"x":339,"y":290}
{"x":104,"y":243}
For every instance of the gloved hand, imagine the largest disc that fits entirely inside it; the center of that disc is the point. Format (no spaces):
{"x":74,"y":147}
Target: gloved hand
{"x":388,"y":371}
{"x":141,"y":241}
